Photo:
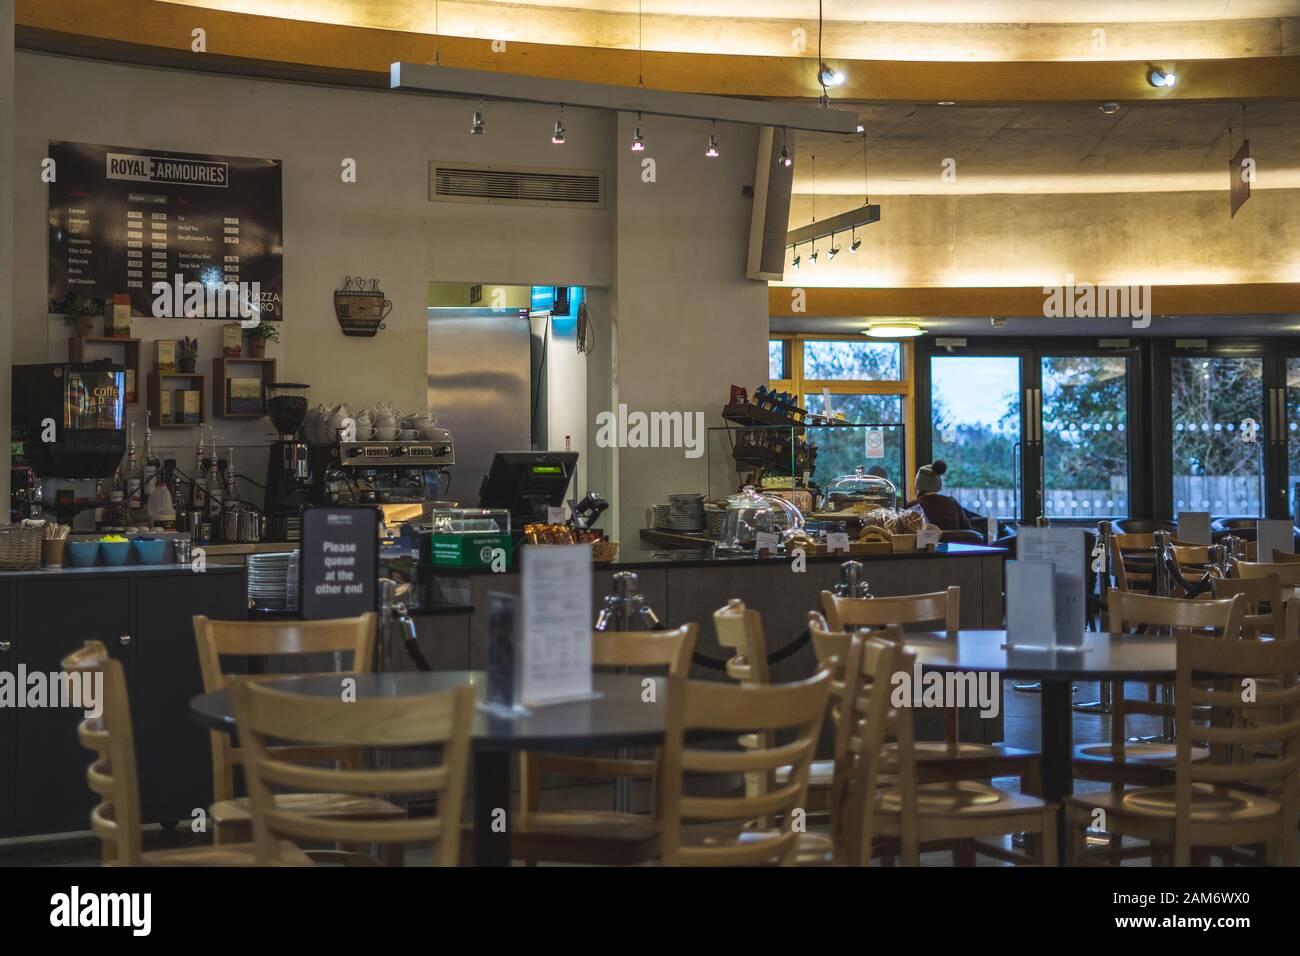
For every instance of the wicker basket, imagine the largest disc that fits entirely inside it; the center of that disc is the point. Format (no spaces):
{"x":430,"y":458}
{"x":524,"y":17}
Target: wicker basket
{"x":603,"y":552}
{"x":20,"y":548}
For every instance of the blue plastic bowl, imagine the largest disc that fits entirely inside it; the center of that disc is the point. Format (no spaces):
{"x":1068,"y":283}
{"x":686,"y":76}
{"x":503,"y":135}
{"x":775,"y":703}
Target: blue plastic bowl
{"x":149,"y":550}
{"x":82,"y":554}
{"x":113,"y":553}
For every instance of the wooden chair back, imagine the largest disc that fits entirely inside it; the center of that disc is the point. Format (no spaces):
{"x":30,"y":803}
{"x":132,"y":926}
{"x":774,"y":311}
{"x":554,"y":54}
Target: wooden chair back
{"x":1258,"y":593}
{"x":264,"y":713}
{"x":741,"y":629}
{"x":635,"y":650}
{"x":269,"y":639}
{"x":873,"y":720}
{"x":936,"y":607}
{"x":706,"y":705}
{"x":112,"y":772}
{"x":1285,"y":557}
{"x":1288,"y":573}
{"x":1179,"y":614}
{"x":1272,"y":721}
{"x":1132,"y":575}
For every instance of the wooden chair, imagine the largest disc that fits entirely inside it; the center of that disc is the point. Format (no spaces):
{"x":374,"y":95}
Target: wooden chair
{"x":1288,"y":573}
{"x":741,"y":629}
{"x":112,"y":775}
{"x":727,"y":839}
{"x":951,"y":758}
{"x":263,"y":713}
{"x":1258,"y":593}
{"x":1131,"y":561}
{"x":1122,"y":762}
{"x":945,"y":813}
{"x":1285,"y":557}
{"x":599,"y":836}
{"x":232,"y":816}
{"x":1221,"y":802}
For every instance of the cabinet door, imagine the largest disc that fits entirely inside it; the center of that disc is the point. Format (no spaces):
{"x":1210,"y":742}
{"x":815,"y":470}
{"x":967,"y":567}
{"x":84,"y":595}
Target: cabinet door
{"x":173,"y":751}
{"x":52,"y":618}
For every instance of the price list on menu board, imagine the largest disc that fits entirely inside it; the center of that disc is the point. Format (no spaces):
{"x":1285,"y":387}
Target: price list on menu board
{"x":123,"y":219}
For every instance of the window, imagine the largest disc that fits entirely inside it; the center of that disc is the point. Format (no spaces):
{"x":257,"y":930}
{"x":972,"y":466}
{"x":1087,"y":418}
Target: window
{"x":1217,"y":407}
{"x":865,"y":383}
{"x":1085,"y":437}
{"x":975,"y":412}
{"x":854,"y":360}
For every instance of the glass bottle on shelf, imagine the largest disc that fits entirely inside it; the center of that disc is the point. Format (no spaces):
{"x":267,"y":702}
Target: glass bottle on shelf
{"x":151,"y":465}
{"x":134,"y":477}
{"x":215,"y":492}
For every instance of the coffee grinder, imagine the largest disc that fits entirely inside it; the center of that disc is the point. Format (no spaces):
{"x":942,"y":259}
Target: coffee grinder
{"x":288,"y":471}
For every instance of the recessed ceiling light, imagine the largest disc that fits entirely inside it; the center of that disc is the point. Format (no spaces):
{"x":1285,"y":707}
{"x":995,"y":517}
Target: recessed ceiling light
{"x":1159,"y":77}
{"x":893,"y":330}
{"x":947,"y":102}
{"x":1109,"y":108}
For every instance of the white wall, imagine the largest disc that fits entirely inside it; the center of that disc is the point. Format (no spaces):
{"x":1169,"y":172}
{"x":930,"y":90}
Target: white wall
{"x":663,"y":263}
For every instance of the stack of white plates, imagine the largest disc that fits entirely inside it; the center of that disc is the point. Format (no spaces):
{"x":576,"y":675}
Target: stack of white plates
{"x":686,"y":512}
{"x":273,"y":581}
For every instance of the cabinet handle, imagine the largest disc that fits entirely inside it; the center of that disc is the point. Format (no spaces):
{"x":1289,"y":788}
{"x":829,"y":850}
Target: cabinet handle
{"x":5,"y":646}
{"x":124,"y":640}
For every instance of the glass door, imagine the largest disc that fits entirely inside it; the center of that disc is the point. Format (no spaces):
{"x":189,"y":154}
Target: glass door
{"x":975,"y":428}
{"x":1084,"y":470}
{"x":1216,"y":405}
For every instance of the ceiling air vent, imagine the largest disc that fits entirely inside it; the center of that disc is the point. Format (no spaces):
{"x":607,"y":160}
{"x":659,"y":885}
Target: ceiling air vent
{"x":516,"y":185}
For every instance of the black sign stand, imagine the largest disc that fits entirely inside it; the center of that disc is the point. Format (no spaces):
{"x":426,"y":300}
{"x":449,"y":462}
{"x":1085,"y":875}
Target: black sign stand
{"x":338,"y":570}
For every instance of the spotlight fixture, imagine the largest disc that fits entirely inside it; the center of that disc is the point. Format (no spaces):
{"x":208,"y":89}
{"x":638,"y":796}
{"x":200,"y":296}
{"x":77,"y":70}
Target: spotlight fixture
{"x":893,"y":330}
{"x":795,"y":262}
{"x":855,"y":244}
{"x":711,"y":150}
{"x":861,"y":128}
{"x":1110,"y":109}
{"x":812,"y":256}
{"x":833,"y":251}
{"x":786,"y":159}
{"x":557,"y":137}
{"x":829,"y":77}
{"x":1159,"y":77}
{"x":476,"y":125}
{"x":638,"y":141}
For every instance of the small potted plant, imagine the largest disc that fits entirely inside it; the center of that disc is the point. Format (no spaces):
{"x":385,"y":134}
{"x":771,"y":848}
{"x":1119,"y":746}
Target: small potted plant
{"x":79,"y":312}
{"x":187,"y":353}
{"x":259,"y":335}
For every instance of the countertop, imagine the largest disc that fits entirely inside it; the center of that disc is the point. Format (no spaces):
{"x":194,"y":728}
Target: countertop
{"x":121,"y":571}
{"x":649,"y":561}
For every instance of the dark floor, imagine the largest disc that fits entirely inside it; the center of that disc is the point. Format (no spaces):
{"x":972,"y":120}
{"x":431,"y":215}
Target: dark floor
{"x":1021,"y":730}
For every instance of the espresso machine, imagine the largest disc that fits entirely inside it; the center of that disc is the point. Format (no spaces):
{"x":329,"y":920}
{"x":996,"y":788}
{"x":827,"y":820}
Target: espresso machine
{"x":403,"y":476}
{"x":288,"y":464}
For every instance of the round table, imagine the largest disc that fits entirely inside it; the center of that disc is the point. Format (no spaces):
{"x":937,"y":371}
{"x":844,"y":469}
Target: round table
{"x":1136,"y":657}
{"x":618,"y":717}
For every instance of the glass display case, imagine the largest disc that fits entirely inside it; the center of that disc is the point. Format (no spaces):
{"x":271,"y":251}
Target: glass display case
{"x":470,"y":521}
{"x":750,"y":513}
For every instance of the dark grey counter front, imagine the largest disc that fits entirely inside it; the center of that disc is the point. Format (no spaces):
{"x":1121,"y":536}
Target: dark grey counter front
{"x":682,"y":592}
{"x":142,"y":614}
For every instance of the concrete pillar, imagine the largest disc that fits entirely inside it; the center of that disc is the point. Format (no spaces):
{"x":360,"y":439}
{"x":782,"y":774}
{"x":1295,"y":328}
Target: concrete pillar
{"x":7,"y":186}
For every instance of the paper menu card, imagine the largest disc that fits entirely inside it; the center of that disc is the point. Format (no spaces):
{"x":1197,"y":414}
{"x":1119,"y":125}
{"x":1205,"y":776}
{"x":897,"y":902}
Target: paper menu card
{"x":1273,"y":536}
{"x":1066,"y":549}
{"x":557,"y":610}
{"x":1030,"y":600}
{"x":1193,"y":527}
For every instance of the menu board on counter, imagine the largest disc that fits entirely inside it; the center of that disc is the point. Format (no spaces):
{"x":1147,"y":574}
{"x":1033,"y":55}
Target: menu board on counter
{"x":556,"y":661}
{"x":339,"y":570}
{"x":121,"y":219}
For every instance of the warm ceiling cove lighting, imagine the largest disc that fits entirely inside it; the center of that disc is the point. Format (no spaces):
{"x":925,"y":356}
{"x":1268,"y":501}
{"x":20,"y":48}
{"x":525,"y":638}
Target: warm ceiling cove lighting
{"x":893,"y":330}
{"x":1159,"y":77}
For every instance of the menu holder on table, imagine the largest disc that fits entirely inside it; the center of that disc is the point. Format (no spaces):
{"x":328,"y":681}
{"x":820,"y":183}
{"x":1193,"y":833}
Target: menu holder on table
{"x":1193,"y":527}
{"x":339,"y":562}
{"x":1273,"y":536}
{"x":501,"y":696}
{"x":1058,"y":611}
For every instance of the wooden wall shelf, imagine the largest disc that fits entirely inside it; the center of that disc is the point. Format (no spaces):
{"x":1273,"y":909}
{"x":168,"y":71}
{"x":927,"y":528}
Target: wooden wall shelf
{"x":221,"y":378}
{"x":130,"y":359}
{"x":192,"y":381}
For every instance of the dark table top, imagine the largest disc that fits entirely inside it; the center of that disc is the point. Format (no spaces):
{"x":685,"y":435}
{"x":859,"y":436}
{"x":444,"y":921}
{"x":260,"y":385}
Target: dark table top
{"x":618,"y":717}
{"x":1129,"y":656}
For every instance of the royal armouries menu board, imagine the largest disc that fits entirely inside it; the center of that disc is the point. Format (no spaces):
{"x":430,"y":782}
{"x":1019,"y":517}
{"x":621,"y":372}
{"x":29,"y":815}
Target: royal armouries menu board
{"x":122,"y":219}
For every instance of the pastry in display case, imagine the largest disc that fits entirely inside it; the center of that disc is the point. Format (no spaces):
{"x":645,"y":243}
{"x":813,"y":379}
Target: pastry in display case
{"x":750,"y":514}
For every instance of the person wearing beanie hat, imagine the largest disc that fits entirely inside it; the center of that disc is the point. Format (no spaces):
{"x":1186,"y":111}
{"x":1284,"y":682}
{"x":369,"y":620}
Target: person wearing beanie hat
{"x":940,"y":510}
